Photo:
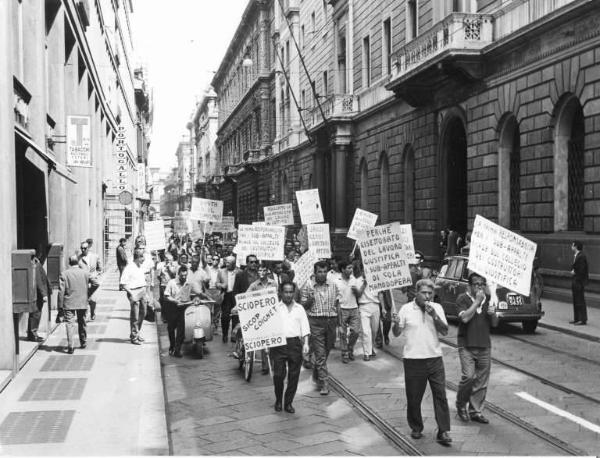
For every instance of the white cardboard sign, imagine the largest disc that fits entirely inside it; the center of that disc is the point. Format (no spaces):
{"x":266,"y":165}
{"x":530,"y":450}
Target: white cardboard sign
{"x":265,"y":242}
{"x":408,"y":245}
{"x":225,"y":226}
{"x":318,"y":240}
{"x":182,"y":223}
{"x":154,"y":232}
{"x":309,"y":206}
{"x":262,"y":325}
{"x":501,"y":256}
{"x":279,"y":215}
{"x":362,"y":220}
{"x":304,"y":267}
{"x":206,"y":209}
{"x":384,"y":259}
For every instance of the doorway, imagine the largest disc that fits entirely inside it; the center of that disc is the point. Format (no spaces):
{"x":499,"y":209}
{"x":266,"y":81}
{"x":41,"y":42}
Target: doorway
{"x":455,"y":152}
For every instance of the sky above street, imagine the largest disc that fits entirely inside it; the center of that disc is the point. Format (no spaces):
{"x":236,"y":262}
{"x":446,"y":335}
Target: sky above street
{"x":182,"y":43}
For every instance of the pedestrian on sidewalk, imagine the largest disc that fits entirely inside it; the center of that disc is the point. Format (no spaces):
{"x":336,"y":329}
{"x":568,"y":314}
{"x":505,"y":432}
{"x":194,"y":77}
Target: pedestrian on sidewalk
{"x":177,"y":296}
{"x":297,"y":329}
{"x":43,"y":290}
{"x":90,"y":261}
{"x":476,"y":316}
{"x":133,"y":282}
{"x":319,"y":299}
{"x":421,"y":320}
{"x":349,"y":318}
{"x":580,"y":277}
{"x":121,"y":255}
{"x":73,"y":289}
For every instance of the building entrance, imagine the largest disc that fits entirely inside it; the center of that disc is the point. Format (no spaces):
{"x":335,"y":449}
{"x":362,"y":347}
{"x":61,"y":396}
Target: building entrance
{"x":455,"y":165}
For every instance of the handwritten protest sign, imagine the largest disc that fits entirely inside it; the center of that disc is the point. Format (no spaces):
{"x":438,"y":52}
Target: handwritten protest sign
{"x":318,"y":240}
{"x":182,"y":223}
{"x":384,"y":259}
{"x":262,"y":325}
{"x":206,"y":209}
{"x":309,"y":206}
{"x":501,"y":256}
{"x":197,"y":229}
{"x":259,"y":223}
{"x":154,"y":231}
{"x":408,"y":244}
{"x":279,"y":215}
{"x":362,"y":220}
{"x":265,"y":242}
{"x":225,"y":226}
{"x":304,"y":268}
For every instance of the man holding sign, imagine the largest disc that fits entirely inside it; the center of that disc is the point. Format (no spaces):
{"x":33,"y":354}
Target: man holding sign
{"x":297,"y":330}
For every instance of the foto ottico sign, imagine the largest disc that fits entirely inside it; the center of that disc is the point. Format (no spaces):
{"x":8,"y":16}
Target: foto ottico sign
{"x":79,"y":143}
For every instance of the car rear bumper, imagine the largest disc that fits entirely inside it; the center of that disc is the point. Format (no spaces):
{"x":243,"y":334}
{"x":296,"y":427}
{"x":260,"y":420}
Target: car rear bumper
{"x":512,"y":316}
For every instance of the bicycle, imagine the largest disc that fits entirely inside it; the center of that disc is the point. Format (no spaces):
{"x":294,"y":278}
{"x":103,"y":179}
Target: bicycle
{"x":245,"y":358}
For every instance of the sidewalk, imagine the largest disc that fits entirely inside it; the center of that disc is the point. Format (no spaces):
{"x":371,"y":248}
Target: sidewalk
{"x":104,"y":400}
{"x":558,"y":314}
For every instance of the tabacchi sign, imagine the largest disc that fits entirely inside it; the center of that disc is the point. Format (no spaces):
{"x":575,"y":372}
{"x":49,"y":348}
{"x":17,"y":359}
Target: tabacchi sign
{"x":79,"y":144}
{"x":121,"y":175}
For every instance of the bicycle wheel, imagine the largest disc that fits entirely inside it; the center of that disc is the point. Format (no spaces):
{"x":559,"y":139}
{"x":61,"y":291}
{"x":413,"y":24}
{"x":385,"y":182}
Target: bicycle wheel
{"x":239,"y":351}
{"x":248,"y":365}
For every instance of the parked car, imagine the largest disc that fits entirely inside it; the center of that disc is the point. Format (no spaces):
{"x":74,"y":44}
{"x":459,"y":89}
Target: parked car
{"x":452,"y":280}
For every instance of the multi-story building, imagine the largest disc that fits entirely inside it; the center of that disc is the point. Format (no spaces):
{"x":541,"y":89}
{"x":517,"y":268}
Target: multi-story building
{"x":170,"y":197}
{"x":68,"y":133}
{"x":430,"y":112}
{"x":205,"y":125}
{"x":185,"y":171}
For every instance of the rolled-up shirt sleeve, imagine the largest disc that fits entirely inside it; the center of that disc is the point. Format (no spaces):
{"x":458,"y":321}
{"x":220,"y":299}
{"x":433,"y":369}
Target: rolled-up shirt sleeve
{"x":304,"y":325}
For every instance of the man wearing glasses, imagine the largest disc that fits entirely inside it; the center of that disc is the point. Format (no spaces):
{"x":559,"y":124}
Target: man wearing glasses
{"x":476,"y":314}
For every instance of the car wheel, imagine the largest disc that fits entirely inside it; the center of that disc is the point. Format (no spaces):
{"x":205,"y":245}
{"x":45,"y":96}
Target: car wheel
{"x":530,"y":326}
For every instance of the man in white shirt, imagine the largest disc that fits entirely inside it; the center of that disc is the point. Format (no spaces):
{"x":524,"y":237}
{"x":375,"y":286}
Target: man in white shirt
{"x":177,"y":295}
{"x":226,"y":281}
{"x":420,"y":321}
{"x":197,"y":276}
{"x":368,"y":309}
{"x":348,"y":311}
{"x":297,"y":330}
{"x":133,"y":282}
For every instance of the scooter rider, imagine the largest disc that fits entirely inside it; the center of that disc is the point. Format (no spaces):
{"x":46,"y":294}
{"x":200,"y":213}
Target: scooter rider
{"x":177,"y":296}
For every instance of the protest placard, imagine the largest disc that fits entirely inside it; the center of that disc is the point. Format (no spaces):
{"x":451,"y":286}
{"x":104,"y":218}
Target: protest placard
{"x":182,"y":223}
{"x":309,"y":206}
{"x":318,"y":240}
{"x":265,"y":242}
{"x":408,"y":245}
{"x":501,"y":256}
{"x":206,"y":209}
{"x":197,"y":229}
{"x":154,"y":232}
{"x":384,"y":259}
{"x":262,"y":326}
{"x":304,"y":268}
{"x":362,"y":220}
{"x":259,"y":223}
{"x":225,"y":226}
{"x":279,"y":215}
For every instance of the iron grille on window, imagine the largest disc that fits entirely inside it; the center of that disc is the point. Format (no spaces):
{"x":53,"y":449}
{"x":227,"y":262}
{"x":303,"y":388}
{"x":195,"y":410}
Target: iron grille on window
{"x":576,"y":184}
{"x":515,"y":188}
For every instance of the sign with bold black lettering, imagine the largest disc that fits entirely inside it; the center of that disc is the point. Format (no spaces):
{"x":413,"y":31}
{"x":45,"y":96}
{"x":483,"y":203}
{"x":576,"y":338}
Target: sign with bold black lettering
{"x":262,"y":325}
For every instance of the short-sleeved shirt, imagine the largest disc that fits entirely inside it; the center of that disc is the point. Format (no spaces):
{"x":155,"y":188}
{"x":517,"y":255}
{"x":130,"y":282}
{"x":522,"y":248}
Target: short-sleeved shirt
{"x":176,"y":291}
{"x":197,"y":279}
{"x":345,"y":294}
{"x":475,"y":333}
{"x":133,"y":276}
{"x":325,"y":298}
{"x":295,"y":321}
{"x":421,"y":336}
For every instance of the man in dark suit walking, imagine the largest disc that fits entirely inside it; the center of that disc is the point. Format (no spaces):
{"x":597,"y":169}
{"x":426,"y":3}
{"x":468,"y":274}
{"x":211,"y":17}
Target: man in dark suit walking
{"x":580,"y":278}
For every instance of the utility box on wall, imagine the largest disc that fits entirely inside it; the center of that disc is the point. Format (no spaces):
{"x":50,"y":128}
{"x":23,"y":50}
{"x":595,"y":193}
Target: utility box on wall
{"x":23,"y":280}
{"x":54,"y":263}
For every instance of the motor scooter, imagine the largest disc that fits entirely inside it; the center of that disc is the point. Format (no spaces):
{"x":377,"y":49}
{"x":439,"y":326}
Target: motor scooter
{"x":198,"y":325}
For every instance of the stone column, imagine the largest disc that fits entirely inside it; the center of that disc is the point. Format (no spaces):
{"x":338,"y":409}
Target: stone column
{"x":340,"y":153}
{"x":8,"y":188}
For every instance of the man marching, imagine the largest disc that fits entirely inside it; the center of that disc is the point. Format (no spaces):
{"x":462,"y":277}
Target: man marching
{"x":297,"y":331}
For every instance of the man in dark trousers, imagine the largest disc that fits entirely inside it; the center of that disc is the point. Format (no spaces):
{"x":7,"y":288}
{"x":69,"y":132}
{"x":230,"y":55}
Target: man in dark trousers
{"x":73,"y":299}
{"x":580,"y":278}
{"x":121,"y":256}
{"x":226,"y":280}
{"x":177,"y":295}
{"x":43,"y":292}
{"x":297,"y":330}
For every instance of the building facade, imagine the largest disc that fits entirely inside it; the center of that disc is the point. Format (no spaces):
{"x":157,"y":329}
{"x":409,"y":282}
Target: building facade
{"x":67,"y":107}
{"x":205,"y":124}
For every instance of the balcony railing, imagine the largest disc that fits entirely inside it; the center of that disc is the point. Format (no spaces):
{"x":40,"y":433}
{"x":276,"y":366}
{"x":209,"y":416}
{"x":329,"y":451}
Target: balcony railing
{"x":21,"y":99}
{"x":522,"y":13}
{"x":458,"y":32}
{"x":374,"y":95}
{"x":334,"y":105}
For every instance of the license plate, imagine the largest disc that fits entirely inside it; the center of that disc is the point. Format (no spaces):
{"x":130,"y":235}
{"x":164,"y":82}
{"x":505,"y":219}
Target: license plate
{"x":514,"y":299}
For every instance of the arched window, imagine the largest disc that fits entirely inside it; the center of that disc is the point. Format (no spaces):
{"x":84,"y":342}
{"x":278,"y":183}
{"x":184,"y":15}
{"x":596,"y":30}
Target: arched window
{"x":509,"y":174}
{"x":569,"y":180}
{"x":364,"y":186}
{"x":384,"y":188}
{"x":409,"y":185}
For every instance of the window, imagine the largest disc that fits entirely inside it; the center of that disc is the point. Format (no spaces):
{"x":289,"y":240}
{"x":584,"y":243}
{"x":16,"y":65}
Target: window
{"x":366,"y":62}
{"x":386,"y":46}
{"x":287,"y":55}
{"x":325,"y":10}
{"x":303,"y":99}
{"x":411,"y":20}
{"x":364,"y":185}
{"x":342,"y":73}
{"x":409,"y":185}
{"x":509,"y":174}
{"x":325,"y":85}
{"x":575,"y":166}
{"x":384,"y":188}
{"x":302,"y":37}
{"x":313,"y":24}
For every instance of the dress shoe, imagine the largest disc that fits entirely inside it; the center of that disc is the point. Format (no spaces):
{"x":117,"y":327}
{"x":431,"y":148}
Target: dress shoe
{"x":351,"y":356}
{"x":387,"y":340}
{"x":462,"y":412}
{"x":265,"y":371}
{"x":140,"y":338}
{"x":379,"y":345}
{"x":416,"y":434}
{"x":278,"y":406}
{"x":136,"y":342}
{"x":92,"y":316}
{"x":70,"y":350}
{"x":581,"y":323}
{"x":373,"y":355}
{"x":324,"y":389}
{"x":444,"y":438}
{"x":171,"y":351}
{"x":177,"y":354}
{"x":289,"y":408}
{"x":83,"y":345}
{"x":574,"y":322}
{"x":479,"y":418}
{"x":345,"y":359}
{"x":224,"y":338}
{"x":366,"y":358}
{"x":34,"y":338}
{"x":307,"y":364}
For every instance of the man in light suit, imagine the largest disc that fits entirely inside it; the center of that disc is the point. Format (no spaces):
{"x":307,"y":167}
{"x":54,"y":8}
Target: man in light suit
{"x":580,"y":278}
{"x":73,"y":300}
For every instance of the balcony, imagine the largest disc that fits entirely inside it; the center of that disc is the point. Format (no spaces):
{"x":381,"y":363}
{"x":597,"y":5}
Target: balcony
{"x":21,"y":99}
{"x":452,"y":48}
{"x":334,"y":106}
